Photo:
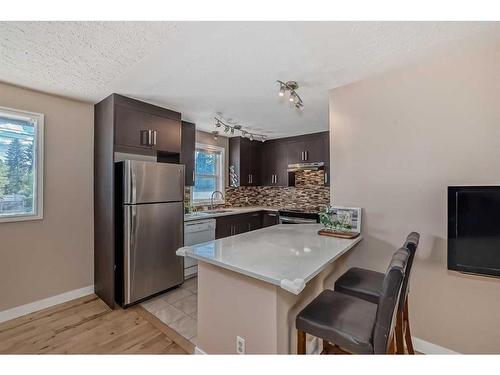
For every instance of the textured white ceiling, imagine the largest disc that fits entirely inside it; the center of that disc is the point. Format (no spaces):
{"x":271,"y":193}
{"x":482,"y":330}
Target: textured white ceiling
{"x":200,"y":68}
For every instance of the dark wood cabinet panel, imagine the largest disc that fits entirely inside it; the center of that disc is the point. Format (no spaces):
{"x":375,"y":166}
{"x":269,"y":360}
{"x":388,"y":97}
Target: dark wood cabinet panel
{"x":254,"y":221}
{"x":295,"y":152}
{"x":232,"y":225}
{"x":188,"y":145}
{"x":269,"y":218}
{"x":223,"y":227}
{"x":310,"y":148}
{"x":146,"y":126}
{"x":131,"y":128}
{"x":274,"y":163}
{"x":166,"y":133}
{"x":244,"y":155}
{"x":314,"y":150}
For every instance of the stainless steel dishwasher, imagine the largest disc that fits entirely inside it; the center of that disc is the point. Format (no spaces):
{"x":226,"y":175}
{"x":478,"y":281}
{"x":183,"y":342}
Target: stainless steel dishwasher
{"x":195,"y":232}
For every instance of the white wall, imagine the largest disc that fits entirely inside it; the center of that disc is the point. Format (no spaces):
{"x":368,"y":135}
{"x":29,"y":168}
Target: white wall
{"x":398,"y":140}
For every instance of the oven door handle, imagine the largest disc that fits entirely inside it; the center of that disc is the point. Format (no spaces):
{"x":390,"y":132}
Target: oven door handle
{"x":296,"y":220}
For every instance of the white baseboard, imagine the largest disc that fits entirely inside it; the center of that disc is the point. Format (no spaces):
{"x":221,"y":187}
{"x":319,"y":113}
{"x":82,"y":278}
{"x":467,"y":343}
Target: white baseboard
{"x":427,"y":347}
{"x":18,"y":311}
{"x":198,"y":350}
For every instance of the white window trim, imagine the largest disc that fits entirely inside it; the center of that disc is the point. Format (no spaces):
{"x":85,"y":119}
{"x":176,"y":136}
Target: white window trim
{"x":38,"y":165}
{"x":218,"y":200}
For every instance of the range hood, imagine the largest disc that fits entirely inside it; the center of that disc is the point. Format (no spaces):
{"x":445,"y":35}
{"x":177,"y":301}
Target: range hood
{"x":305,"y":167}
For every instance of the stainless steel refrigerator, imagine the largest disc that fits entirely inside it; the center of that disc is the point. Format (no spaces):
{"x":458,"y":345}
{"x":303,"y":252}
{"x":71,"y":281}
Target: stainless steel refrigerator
{"x":150,"y":215}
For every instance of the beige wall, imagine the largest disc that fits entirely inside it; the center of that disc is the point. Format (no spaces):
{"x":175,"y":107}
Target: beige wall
{"x":43,"y":258}
{"x":398,"y":140}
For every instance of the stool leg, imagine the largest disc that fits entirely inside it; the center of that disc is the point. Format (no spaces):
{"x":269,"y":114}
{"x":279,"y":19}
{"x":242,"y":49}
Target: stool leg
{"x":392,"y":346}
{"x":407,"y":333}
{"x":398,"y":333}
{"x":301,"y":342}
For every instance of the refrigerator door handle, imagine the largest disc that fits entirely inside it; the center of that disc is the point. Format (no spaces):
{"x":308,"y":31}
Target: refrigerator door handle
{"x":129,"y":239}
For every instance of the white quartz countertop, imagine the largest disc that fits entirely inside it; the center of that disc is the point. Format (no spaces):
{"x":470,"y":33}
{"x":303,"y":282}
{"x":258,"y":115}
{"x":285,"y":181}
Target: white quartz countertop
{"x":200,"y":215}
{"x":285,"y":255}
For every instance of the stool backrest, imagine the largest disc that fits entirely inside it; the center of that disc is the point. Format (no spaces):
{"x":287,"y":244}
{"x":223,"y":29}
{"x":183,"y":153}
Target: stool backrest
{"x":411,"y":244}
{"x":391,"y":290}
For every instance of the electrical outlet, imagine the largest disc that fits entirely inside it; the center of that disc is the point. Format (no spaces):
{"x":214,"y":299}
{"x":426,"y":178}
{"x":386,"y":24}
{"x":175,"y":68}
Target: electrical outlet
{"x":240,"y":345}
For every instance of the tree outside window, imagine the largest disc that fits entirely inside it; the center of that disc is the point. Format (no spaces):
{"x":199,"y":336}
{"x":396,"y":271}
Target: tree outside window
{"x":19,"y":134}
{"x":209,"y":173}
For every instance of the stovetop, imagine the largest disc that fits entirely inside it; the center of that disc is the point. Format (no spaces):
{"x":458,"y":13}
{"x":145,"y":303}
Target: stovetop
{"x":307,"y":210}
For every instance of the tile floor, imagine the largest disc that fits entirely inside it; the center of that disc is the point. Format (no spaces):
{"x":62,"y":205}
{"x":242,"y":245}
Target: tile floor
{"x":178,"y":309}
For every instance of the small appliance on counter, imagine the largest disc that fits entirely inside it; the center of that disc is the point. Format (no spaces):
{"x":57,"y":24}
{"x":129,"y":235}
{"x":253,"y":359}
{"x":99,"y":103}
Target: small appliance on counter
{"x":149,"y":221}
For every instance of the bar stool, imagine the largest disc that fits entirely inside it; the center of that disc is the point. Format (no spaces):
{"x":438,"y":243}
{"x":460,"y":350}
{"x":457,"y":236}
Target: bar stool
{"x":367,"y":285}
{"x":349,"y":324}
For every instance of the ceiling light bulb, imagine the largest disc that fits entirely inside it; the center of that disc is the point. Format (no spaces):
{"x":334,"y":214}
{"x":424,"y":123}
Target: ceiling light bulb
{"x":251,"y":137}
{"x":232,"y":131}
{"x":226,"y":129}
{"x":292,"y":96}
{"x":215,"y":133}
{"x":282,"y":90}
{"x":263,"y":139}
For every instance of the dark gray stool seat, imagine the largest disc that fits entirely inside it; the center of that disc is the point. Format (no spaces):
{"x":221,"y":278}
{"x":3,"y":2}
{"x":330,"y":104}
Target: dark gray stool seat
{"x":352,"y":324}
{"x":361,"y":283}
{"x":340,"y":318}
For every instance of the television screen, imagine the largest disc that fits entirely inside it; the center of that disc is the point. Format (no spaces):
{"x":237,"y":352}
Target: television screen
{"x":474,"y":229}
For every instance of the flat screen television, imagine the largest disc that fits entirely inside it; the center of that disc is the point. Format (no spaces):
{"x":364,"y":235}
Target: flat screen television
{"x":474,"y":229}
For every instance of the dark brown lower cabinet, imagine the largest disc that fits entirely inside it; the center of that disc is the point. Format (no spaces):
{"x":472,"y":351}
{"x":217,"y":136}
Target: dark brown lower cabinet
{"x":232,"y":225}
{"x":269,"y":218}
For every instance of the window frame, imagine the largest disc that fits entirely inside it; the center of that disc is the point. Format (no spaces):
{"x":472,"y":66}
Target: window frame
{"x":218,"y":200}
{"x":38,"y":146}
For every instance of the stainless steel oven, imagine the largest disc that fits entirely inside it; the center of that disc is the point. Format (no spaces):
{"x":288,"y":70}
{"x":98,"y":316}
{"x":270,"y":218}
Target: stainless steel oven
{"x":298,"y":216}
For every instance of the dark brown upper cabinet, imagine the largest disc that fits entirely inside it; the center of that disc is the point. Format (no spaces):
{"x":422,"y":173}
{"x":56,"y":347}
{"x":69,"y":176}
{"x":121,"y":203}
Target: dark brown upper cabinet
{"x":274,"y":164}
{"x":188,"y":145}
{"x":244,"y":155}
{"x":310,"y":148}
{"x":144,"y":126}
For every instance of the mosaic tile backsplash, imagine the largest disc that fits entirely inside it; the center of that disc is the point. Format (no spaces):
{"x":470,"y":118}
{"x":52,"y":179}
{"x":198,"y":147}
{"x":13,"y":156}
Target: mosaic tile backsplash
{"x":308,"y":192}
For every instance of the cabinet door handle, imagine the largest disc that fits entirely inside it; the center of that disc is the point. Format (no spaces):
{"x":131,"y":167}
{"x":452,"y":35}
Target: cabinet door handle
{"x":154,"y":137}
{"x":255,"y":214}
{"x":302,"y":156}
{"x":326,"y":177}
{"x":273,"y":215}
{"x":275,"y":178}
{"x":144,"y":137}
{"x":193,"y":176}
{"x":306,"y":155}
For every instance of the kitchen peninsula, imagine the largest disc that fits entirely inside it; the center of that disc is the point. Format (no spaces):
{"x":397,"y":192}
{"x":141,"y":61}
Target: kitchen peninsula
{"x":252,"y":285}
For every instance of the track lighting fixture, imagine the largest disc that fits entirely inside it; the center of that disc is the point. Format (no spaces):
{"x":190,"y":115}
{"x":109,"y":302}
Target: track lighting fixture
{"x":230,"y":127}
{"x":292,"y":87}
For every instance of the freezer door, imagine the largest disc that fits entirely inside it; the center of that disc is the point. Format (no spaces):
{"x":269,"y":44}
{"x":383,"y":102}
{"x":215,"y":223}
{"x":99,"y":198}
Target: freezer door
{"x":153,"y":233}
{"x":150,"y":182}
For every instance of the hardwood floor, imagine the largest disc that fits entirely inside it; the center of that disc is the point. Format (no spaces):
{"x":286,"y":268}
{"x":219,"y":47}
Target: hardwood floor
{"x":88,"y":326}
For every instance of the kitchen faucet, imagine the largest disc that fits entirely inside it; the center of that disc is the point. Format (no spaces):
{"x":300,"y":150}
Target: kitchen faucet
{"x":212,"y":198}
